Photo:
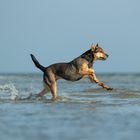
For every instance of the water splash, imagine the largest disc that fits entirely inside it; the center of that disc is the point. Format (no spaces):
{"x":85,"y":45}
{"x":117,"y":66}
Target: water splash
{"x":11,"y":89}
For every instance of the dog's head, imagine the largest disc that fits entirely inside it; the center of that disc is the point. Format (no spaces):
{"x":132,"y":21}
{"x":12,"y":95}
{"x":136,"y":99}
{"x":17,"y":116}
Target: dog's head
{"x":98,"y":52}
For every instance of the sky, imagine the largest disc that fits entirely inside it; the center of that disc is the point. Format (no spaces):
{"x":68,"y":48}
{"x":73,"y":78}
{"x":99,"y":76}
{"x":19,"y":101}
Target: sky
{"x":60,"y":30}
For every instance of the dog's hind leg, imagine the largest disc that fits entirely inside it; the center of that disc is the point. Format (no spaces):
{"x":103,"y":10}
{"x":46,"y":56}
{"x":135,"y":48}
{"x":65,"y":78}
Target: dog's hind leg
{"x":53,"y":90}
{"x":50,"y":80}
{"x":44,"y":91}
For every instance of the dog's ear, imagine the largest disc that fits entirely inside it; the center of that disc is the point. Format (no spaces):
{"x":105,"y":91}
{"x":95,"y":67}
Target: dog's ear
{"x":93,"y":47}
{"x":97,"y":45}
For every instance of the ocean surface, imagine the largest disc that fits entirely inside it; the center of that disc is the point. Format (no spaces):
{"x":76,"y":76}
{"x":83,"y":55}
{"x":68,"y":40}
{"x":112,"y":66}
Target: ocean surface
{"x":84,"y":111}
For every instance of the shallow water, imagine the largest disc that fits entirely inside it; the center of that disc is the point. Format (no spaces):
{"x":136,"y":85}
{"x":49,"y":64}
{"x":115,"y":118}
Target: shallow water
{"x":83,"y":111}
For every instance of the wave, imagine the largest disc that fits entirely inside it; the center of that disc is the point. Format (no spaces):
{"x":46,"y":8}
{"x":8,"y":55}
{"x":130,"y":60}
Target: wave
{"x":11,"y":90}
{"x":96,"y":96}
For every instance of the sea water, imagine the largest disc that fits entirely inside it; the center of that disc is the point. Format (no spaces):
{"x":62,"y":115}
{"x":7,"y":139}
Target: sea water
{"x":83,"y":111}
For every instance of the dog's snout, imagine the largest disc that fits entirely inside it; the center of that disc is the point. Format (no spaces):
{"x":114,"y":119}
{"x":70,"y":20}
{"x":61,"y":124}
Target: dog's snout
{"x":107,"y":55}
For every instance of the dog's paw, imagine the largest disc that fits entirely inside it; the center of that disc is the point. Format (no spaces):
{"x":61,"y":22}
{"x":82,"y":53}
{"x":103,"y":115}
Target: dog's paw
{"x":109,"y":89}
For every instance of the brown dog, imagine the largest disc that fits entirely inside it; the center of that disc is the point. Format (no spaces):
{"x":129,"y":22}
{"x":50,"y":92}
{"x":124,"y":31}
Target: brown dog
{"x":72,"y":71}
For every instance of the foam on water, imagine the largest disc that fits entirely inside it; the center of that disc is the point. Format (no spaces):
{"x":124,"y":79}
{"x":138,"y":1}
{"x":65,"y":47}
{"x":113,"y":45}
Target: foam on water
{"x":11,"y":89}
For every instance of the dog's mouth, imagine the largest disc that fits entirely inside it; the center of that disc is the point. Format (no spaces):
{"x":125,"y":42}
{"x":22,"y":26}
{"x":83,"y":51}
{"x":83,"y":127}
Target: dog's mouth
{"x":103,"y":58}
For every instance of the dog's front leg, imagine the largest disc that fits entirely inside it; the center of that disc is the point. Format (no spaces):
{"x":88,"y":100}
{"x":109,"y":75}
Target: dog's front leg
{"x":93,"y":78}
{"x":86,"y":71}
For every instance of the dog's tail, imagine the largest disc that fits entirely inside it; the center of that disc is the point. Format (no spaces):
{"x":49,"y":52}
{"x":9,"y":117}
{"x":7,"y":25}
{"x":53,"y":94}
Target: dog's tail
{"x":37,"y":64}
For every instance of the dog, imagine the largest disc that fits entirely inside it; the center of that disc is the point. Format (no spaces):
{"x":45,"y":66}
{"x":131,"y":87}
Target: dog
{"x":73,"y":71}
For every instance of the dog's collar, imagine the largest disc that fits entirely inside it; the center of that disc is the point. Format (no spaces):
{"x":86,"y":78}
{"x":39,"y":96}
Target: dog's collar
{"x":89,"y":57}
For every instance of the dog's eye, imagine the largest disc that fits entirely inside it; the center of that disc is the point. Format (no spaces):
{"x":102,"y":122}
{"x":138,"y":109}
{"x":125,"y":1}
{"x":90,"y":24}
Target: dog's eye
{"x":98,"y":50}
